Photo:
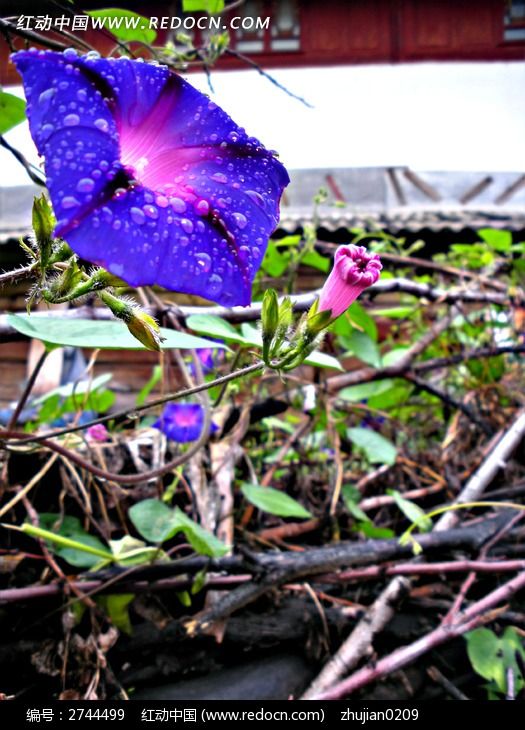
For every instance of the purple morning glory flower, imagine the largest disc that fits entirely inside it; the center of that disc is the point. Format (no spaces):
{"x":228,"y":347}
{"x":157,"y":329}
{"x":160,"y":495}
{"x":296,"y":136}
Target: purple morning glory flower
{"x":205,"y":355}
{"x":208,"y":357}
{"x":182,"y":422}
{"x":148,"y":177}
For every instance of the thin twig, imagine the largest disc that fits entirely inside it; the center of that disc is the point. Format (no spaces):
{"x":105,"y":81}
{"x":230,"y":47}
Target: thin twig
{"x":402,"y":657}
{"x":31,"y":170}
{"x":130,"y":412}
{"x":495,"y":461}
{"x":27,"y":390}
{"x":6,"y":26}
{"x":255,"y":65}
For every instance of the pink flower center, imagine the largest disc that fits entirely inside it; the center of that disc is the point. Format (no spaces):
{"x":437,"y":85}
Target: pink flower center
{"x":187,"y":417}
{"x":356,"y":265}
{"x":153,"y":150}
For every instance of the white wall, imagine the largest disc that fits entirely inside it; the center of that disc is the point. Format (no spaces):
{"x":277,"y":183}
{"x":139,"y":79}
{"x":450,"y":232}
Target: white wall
{"x":429,"y":116}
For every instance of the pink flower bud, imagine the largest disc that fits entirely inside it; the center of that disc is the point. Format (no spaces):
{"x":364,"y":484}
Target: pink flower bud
{"x":354,"y":270}
{"x":97,"y":432}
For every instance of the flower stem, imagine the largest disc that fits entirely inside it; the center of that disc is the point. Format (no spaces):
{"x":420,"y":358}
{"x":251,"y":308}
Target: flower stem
{"x":130,"y":413}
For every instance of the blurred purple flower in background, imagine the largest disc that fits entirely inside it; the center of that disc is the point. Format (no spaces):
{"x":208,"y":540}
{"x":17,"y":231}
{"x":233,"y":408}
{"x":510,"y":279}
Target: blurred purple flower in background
{"x":97,"y":432}
{"x":182,"y":422}
{"x":148,"y":177}
{"x":354,"y":270}
{"x":206,"y":357}
{"x":209,"y":358}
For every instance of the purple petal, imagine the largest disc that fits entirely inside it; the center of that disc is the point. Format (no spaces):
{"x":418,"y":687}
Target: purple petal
{"x":73,"y":129}
{"x":181,"y":422}
{"x":148,"y":177}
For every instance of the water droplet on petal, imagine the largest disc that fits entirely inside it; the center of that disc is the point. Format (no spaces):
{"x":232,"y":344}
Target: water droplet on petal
{"x":203,"y":261}
{"x":186,"y":225}
{"x":101,"y":124}
{"x":151,"y":211}
{"x":82,"y":95}
{"x":71,"y":120}
{"x":179,"y":206}
{"x":46,"y":96}
{"x":257,"y":198}
{"x":202,"y":207}
{"x":85,"y":185}
{"x":214,"y":285}
{"x":219,"y":177}
{"x":240,"y":219}
{"x":137,"y":216}
{"x":70,"y":202}
{"x":244,"y":253}
{"x":162,"y":201}
{"x":70,"y":53}
{"x":47,"y":129}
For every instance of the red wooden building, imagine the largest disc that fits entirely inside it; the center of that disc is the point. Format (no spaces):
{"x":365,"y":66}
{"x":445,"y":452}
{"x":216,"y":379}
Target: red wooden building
{"x":309,"y":32}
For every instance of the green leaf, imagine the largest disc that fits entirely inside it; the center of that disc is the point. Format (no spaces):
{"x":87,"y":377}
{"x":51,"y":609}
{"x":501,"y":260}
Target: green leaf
{"x":375,"y":533}
{"x":489,"y":370}
{"x":206,"y":6}
{"x":157,"y":522}
{"x":201,"y":540}
{"x":393,"y":356}
{"x":397,"y":395}
{"x":85,"y":386}
{"x":360,"y":318}
{"x":395,"y":312}
{"x":251,"y":334}
{"x":50,"y":409}
{"x":316,"y":261}
{"x":355,"y":317}
{"x":107,"y":335}
{"x":88,"y":549}
{"x":275,"y":262}
{"x":273,"y":501}
{"x":363,"y":347}
{"x":131,"y":27}
{"x":364,"y":391}
{"x":412,"y":511}
{"x":351,"y":498}
{"x":482,"y":650}
{"x":491,"y":657}
{"x":322,"y":360}
{"x":100,"y":401}
{"x":153,"y":519}
{"x":152,"y":382}
{"x":277,"y":423}
{"x":209,"y":324}
{"x":116,"y":605}
{"x":498,"y":240}
{"x":130,"y":551}
{"x":377,"y":448}
{"x":12,"y":111}
{"x":199,"y":581}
